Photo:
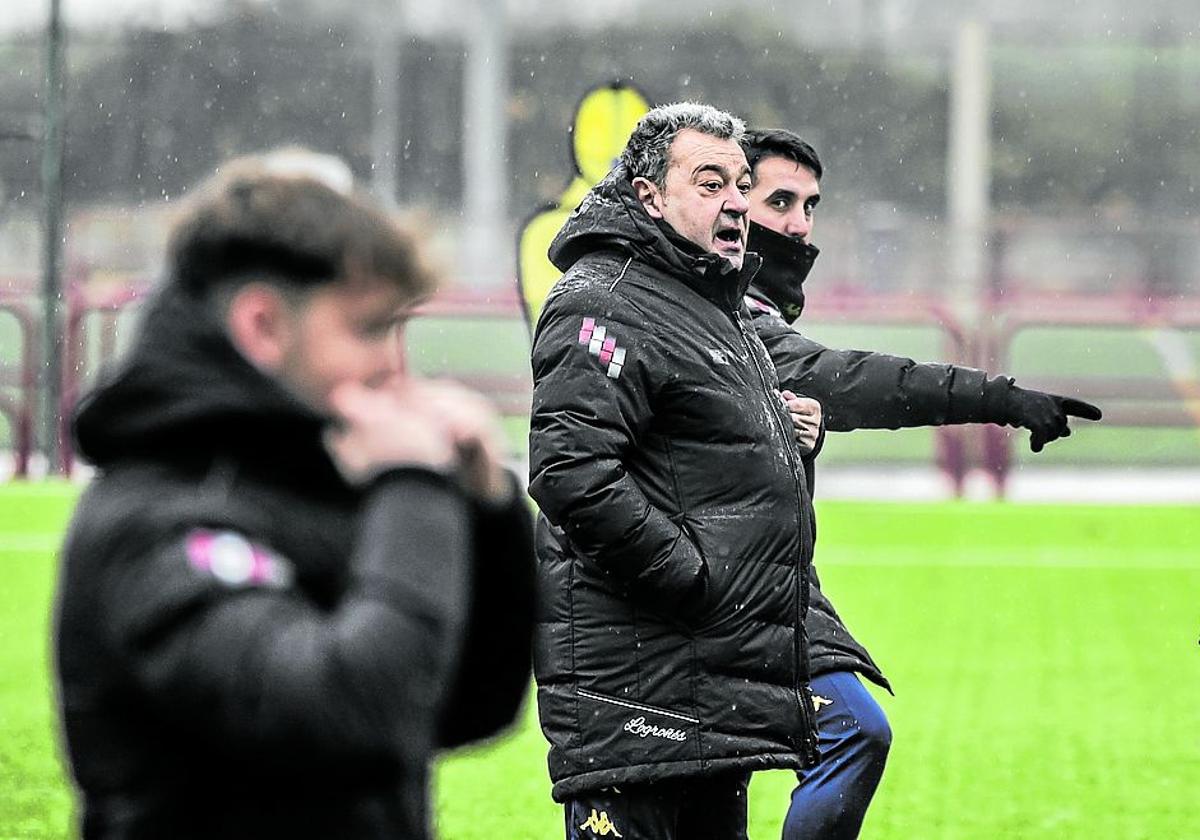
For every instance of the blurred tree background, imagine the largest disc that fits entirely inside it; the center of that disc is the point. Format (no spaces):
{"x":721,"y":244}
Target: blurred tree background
{"x":1094,"y":127}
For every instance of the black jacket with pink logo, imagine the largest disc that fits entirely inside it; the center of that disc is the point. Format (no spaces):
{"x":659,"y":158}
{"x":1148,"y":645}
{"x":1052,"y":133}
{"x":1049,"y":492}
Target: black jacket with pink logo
{"x":674,"y":549}
{"x":246,"y":646}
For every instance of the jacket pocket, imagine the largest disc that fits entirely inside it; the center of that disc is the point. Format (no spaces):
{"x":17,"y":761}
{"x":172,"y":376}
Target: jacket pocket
{"x":634,"y":732}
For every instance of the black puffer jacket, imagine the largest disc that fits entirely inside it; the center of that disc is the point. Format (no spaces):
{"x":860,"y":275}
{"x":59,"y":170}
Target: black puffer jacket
{"x":674,"y":549}
{"x":857,"y":389}
{"x":247,"y":647}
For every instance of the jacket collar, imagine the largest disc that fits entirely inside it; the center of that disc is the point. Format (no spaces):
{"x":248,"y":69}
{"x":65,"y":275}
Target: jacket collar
{"x":708,"y":274}
{"x":611,"y":216}
{"x":786,"y":263}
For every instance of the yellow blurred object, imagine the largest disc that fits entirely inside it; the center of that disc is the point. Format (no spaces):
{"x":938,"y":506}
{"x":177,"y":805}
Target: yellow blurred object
{"x":603,"y":122}
{"x":605,"y":119}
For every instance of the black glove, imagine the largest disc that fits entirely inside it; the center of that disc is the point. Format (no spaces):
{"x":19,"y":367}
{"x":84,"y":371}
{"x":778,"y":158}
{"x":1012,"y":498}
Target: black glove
{"x":1045,"y":415}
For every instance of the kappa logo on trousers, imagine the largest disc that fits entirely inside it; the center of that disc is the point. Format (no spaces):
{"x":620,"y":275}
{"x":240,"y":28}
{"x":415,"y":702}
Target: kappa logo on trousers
{"x":600,"y":824}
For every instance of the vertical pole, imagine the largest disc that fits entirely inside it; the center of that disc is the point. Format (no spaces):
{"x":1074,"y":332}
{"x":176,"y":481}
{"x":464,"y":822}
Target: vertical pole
{"x":52,"y":297}
{"x":968,"y":187}
{"x":968,"y":180}
{"x":385,"y":124}
{"x":485,"y":163}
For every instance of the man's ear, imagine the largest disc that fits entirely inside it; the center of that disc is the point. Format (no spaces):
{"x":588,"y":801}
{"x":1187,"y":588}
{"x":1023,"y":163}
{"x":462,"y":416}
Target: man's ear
{"x":648,"y":193}
{"x":260,"y":324}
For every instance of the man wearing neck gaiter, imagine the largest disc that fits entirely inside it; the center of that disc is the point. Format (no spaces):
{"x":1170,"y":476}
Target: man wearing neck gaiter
{"x":857,"y":390}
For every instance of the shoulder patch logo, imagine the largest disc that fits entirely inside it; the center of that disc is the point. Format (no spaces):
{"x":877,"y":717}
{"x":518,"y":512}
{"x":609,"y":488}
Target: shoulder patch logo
{"x":819,"y":701}
{"x":235,"y":561}
{"x":603,"y":346}
{"x":600,"y":824}
{"x":718,"y":356}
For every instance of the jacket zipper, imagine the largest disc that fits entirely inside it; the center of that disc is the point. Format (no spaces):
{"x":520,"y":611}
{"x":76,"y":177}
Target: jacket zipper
{"x":801,"y":595}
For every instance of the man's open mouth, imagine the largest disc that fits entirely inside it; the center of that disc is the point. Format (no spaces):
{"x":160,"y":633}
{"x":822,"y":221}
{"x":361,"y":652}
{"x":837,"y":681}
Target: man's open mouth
{"x":730,"y":236}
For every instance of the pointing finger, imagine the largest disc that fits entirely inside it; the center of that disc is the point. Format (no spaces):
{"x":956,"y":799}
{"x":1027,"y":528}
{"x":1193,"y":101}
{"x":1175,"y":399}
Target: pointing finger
{"x":1079,"y":408}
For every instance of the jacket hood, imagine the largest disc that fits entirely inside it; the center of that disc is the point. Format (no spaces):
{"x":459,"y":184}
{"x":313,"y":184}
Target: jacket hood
{"x":611,"y":217}
{"x":185,"y":390}
{"x":786,"y":263}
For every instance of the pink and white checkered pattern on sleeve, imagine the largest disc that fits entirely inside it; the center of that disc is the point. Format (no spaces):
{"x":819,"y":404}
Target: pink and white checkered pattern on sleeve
{"x":599,"y":343}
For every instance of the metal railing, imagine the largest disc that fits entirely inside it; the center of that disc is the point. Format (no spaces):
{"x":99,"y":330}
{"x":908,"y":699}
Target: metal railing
{"x":18,"y":381}
{"x":93,"y":311}
{"x":1134,"y":401}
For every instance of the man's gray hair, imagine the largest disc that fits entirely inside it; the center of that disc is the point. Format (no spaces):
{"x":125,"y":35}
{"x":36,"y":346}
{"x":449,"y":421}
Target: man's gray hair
{"x":646,"y":153}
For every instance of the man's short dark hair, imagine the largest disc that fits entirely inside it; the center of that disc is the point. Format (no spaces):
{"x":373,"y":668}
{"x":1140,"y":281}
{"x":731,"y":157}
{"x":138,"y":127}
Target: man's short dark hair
{"x":759,"y":143}
{"x":291,"y":218}
{"x":646,"y":153}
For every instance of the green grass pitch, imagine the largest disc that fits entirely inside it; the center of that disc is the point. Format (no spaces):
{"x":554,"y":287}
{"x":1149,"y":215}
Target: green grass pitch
{"x":1045,"y":660}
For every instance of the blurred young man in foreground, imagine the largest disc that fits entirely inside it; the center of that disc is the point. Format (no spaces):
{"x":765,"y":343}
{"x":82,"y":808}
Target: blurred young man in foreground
{"x":297,"y":574}
{"x":857,"y":390}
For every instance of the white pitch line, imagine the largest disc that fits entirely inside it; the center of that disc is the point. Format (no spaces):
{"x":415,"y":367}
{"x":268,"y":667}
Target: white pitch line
{"x":1162,"y":561}
{"x":1181,"y":366}
{"x":30,"y":542}
{"x":1175,"y":351}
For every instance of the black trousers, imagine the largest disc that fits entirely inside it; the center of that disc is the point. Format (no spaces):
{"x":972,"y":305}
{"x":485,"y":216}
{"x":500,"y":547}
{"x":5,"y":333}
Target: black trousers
{"x":702,"y":808}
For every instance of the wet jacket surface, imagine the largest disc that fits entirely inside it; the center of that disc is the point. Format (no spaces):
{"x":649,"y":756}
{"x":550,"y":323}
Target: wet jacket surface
{"x":676,"y":537}
{"x":246,"y":646}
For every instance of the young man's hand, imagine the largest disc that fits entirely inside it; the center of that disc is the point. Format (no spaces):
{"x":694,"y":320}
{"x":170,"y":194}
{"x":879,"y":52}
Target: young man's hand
{"x":474,"y":428}
{"x":436,"y":424}
{"x":385,"y":427}
{"x":1045,"y":415}
{"x":806,"y":419}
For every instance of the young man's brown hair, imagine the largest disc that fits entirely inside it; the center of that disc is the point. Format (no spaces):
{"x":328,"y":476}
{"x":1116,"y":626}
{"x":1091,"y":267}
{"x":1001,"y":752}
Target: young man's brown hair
{"x":291,"y":216}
